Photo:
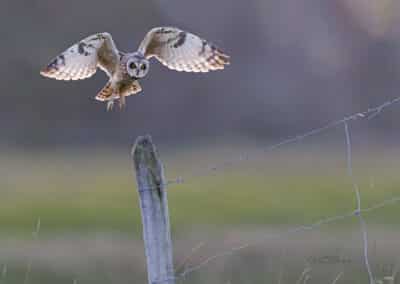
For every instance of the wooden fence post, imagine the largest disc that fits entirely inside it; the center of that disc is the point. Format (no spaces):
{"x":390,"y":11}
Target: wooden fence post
{"x":154,"y":208}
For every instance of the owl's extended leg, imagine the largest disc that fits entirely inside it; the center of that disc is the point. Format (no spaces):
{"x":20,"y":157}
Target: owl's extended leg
{"x":107,"y":94}
{"x":122,"y":101}
{"x":110,"y":105}
{"x":127,"y":90}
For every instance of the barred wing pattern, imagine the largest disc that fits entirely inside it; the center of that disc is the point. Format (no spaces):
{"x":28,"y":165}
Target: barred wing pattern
{"x":182,"y":51}
{"x":81,"y":60}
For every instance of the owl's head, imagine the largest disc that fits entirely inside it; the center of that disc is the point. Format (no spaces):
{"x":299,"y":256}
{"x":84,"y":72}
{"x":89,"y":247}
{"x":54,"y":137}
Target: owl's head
{"x":137,"y":66}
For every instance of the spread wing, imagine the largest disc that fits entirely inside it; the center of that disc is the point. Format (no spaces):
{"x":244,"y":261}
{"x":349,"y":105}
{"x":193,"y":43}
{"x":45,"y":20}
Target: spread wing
{"x":81,"y":60}
{"x":182,"y":51}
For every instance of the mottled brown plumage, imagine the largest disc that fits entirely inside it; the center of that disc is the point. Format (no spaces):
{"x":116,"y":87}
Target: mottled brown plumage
{"x":174,"y":48}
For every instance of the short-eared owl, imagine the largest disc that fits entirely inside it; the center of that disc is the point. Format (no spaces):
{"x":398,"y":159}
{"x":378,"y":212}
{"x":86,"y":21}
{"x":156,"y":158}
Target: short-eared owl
{"x":176,"y":49}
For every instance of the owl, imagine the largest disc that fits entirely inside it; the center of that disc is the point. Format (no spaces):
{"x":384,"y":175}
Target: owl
{"x":176,"y":49}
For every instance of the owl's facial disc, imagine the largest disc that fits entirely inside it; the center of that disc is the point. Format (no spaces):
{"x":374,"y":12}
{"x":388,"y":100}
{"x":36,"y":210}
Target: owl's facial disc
{"x":137,"y":66}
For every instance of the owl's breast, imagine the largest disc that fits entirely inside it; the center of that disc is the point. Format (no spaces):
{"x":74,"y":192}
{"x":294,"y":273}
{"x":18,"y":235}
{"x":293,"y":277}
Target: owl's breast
{"x":122,"y":69}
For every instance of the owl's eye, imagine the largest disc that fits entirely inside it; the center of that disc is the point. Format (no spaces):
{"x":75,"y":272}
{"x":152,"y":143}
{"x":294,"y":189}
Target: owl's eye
{"x":143,"y":67}
{"x":132,"y":65}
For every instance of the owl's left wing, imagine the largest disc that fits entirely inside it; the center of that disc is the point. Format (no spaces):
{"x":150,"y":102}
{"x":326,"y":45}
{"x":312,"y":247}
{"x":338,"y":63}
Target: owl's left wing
{"x":81,"y":60}
{"x":182,"y":51}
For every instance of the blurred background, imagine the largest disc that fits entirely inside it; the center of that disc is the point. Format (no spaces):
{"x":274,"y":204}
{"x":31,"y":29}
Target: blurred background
{"x":68,"y":206}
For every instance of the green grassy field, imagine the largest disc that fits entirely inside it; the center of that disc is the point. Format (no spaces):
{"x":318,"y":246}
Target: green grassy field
{"x":90,"y":220}
{"x":82,"y":193}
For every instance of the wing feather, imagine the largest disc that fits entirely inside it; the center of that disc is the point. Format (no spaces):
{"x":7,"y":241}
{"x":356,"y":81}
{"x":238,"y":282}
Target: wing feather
{"x":81,"y":60}
{"x":182,"y":51}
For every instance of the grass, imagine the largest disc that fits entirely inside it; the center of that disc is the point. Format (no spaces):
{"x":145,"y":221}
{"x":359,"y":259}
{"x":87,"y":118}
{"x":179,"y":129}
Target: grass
{"x":81,"y":194}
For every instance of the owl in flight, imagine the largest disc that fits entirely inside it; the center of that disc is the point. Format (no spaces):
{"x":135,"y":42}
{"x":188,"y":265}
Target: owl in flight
{"x":176,"y":49}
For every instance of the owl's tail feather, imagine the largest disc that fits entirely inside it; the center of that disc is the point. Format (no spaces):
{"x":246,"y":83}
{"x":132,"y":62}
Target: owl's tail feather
{"x":106,"y":94}
{"x":132,"y":89}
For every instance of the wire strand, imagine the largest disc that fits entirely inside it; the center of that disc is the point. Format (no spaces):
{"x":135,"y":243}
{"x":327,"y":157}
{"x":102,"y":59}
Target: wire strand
{"x":368,"y":114}
{"x":291,"y":231}
{"x":363,"y":225}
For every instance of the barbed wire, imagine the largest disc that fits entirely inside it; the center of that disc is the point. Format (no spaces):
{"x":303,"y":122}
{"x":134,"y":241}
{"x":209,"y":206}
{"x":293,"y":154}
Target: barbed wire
{"x":291,"y":231}
{"x":358,"y":212}
{"x":368,"y":114}
{"x":363,"y":225}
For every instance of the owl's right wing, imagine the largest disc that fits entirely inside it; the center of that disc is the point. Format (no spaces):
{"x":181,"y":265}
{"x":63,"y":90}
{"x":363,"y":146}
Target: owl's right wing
{"x":182,"y":51}
{"x":81,"y":60}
